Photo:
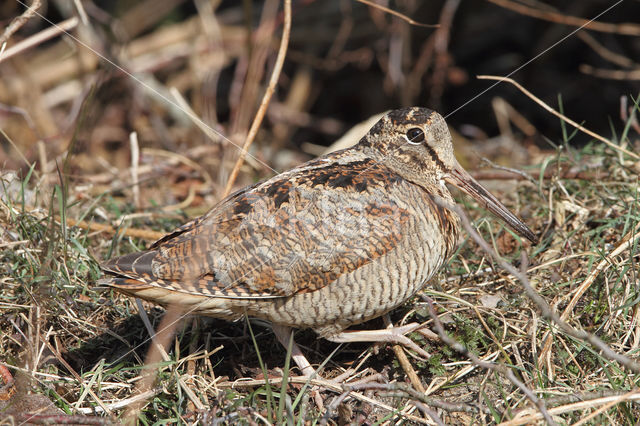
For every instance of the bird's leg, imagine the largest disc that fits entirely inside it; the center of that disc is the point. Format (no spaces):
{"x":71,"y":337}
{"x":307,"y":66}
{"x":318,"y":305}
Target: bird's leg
{"x":283,"y":333}
{"x":389,"y":335}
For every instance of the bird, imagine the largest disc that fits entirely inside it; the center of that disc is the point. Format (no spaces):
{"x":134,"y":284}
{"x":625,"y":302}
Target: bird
{"x":332,"y":243}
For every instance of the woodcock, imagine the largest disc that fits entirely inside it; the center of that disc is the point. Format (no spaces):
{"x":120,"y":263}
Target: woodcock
{"x":334,"y":242}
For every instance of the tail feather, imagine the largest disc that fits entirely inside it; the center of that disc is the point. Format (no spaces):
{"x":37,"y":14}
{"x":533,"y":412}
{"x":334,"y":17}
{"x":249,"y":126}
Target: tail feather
{"x":129,"y":273}
{"x":122,"y":283}
{"x":133,"y":274}
{"x":133,"y":265}
{"x":170,"y":293}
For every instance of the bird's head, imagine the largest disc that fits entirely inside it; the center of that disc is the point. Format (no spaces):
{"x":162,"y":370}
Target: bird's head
{"x":416,"y":144}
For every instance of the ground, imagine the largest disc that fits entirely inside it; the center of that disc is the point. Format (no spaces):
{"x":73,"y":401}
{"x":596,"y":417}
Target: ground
{"x":76,"y":189}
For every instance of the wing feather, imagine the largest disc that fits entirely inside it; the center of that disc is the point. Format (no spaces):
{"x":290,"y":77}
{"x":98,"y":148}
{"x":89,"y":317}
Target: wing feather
{"x":294,"y":233}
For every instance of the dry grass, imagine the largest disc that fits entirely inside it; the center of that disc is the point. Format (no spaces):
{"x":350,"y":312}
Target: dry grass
{"x":78,"y":350}
{"x":83,"y":347}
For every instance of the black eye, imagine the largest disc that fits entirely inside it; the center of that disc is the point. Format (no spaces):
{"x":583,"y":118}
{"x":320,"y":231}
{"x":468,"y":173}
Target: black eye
{"x":415,"y":135}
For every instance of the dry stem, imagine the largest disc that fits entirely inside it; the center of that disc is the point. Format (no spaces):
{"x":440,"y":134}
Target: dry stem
{"x":561,"y":116}
{"x":275,"y":75}
{"x":542,"y":304}
{"x":18,"y":22}
{"x":547,"y":15}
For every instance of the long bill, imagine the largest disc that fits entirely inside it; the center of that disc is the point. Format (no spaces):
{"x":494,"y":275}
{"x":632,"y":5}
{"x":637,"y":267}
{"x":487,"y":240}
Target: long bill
{"x":463,"y":180}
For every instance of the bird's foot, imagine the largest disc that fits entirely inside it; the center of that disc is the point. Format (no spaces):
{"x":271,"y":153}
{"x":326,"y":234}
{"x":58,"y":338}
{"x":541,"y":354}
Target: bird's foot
{"x":394,"y":335}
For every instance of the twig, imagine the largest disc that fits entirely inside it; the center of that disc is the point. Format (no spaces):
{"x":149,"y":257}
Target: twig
{"x":542,"y":304}
{"x":81,"y":12}
{"x":184,"y":159}
{"x":19,"y":21}
{"x":212,"y":134}
{"x":610,"y":74}
{"x":122,"y":403}
{"x":515,"y":172}
{"x":135,"y":159}
{"x":404,"y":391}
{"x":574,"y":21}
{"x":326,"y":384}
{"x":191,"y":195}
{"x":353,"y":392}
{"x":582,"y":405}
{"x":412,"y":393}
{"x":147,"y":85}
{"x":510,"y":174}
{"x":499,"y":368}
{"x":38,"y":38}
{"x":397,"y":14}
{"x":504,"y":111}
{"x":556,"y":401}
{"x":605,"y":407}
{"x":275,"y":75}
{"x":557,"y":114}
{"x":442,"y":63}
{"x":145,"y":234}
{"x":629,"y":239}
{"x":60,"y":419}
{"x":73,"y":372}
{"x":331,"y":408}
{"x":429,"y":412}
{"x":605,"y":53}
{"x":404,"y":361}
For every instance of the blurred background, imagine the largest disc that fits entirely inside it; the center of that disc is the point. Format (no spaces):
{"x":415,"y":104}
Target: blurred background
{"x":125,"y":64}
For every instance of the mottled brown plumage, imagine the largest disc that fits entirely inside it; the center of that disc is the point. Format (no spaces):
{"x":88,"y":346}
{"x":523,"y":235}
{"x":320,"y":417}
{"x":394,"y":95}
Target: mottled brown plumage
{"x":337,"y":241}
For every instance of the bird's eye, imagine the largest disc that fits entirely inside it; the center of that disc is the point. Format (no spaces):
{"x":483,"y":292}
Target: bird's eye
{"x":415,"y":135}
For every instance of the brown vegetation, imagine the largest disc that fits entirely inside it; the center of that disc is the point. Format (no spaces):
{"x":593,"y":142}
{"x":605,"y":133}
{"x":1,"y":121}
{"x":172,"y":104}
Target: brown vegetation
{"x":116,"y":125}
